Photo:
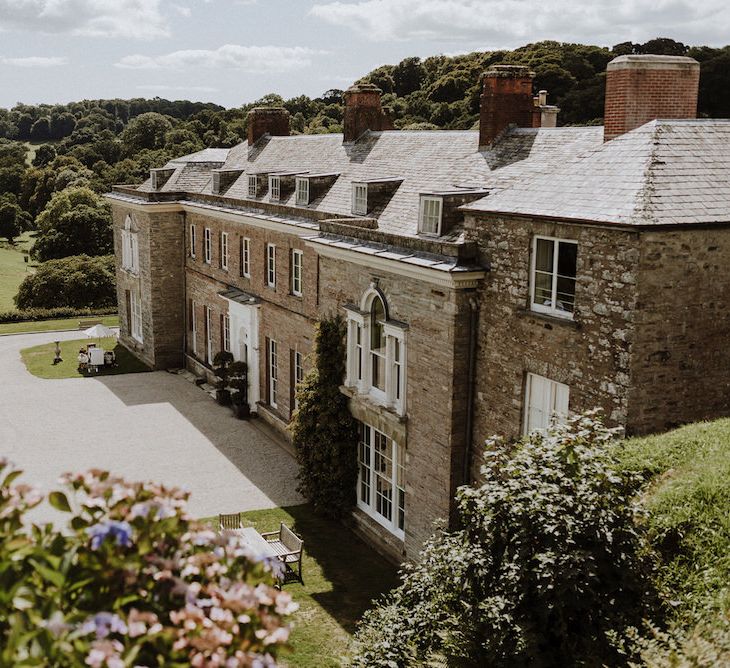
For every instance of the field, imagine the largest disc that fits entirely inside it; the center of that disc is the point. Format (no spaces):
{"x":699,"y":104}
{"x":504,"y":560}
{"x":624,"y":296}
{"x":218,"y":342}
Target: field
{"x":13,"y":269}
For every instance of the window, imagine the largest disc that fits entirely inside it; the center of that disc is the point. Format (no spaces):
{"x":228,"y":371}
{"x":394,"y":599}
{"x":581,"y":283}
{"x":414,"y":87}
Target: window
{"x":298,"y":375}
{"x":194,"y":328}
{"x":297,"y":258}
{"x":275,"y":187}
{"x":271,"y":265}
{"x":359,"y":199}
{"x":381,"y":479}
{"x":226,"y":332}
{"x":193,"y":241}
{"x":207,"y":249}
{"x":429,"y":218}
{"x":302,"y":191}
{"x":130,"y":248}
{"x":208,"y":336}
{"x":224,"y":250}
{"x":376,"y":354}
{"x":273,"y":372}
{"x":554,"y":264}
{"x":246,"y":257}
{"x":253,"y":184}
{"x":136,"y":312}
{"x":544,"y":398}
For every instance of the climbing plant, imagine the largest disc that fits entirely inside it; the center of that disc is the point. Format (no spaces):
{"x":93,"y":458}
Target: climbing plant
{"x":323,"y":431}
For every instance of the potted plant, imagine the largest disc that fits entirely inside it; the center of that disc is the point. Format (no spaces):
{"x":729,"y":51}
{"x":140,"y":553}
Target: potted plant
{"x":221,"y":367}
{"x":238,"y":382}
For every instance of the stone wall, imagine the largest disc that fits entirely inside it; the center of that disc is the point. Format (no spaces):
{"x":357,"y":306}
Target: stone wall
{"x":680,"y":359}
{"x":591,"y":354}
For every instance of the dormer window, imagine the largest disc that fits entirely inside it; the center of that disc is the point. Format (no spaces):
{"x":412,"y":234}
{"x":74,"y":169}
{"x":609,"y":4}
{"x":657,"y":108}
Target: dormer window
{"x":253,"y":184}
{"x":429,"y":217}
{"x":302,"y":191}
{"x":275,"y":187}
{"x":360,"y":199}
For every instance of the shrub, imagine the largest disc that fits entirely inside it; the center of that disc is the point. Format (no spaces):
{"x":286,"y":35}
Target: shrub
{"x":324,"y":432}
{"x":132,"y":580}
{"x":79,"y":281}
{"x":549,"y":568}
{"x":33,"y":314}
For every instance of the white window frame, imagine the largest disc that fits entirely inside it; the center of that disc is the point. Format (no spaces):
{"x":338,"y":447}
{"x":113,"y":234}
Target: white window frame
{"x":208,"y":246}
{"x":135,"y":326}
{"x":275,"y":188}
{"x":360,"y":199}
{"x":273,"y":372}
{"x":194,"y":327}
{"x":359,"y":368}
{"x":425,"y":216}
{"x":302,"y":191}
{"x":209,"y":335}
{"x":246,"y":257}
{"x":298,"y":374}
{"x":226,"y":333}
{"x":545,"y":396}
{"x":368,"y":477}
{"x":297,"y":270}
{"x":224,"y":251}
{"x":550,"y":309}
{"x":271,"y":265}
{"x":130,"y":248}
{"x":193,"y":240}
{"x":253,"y":185}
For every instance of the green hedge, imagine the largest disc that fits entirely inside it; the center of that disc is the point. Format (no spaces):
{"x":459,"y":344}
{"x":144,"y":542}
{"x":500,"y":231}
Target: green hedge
{"x":34,"y":314}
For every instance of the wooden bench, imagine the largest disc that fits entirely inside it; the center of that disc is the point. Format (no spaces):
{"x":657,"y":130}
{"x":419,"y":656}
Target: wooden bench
{"x":85,"y":324}
{"x":232,"y":521}
{"x":288,"y":548}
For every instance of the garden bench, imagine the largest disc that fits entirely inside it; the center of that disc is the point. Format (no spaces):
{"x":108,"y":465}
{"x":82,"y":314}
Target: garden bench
{"x":288,"y":548}
{"x":232,"y":521}
{"x":85,"y":324}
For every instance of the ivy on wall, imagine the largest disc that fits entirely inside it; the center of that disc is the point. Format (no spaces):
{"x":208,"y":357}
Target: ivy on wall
{"x":324,"y":432}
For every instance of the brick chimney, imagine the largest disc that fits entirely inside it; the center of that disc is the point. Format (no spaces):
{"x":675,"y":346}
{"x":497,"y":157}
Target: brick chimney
{"x":363,"y":111}
{"x":273,"y":121}
{"x":506,"y":99}
{"x":640,"y":88}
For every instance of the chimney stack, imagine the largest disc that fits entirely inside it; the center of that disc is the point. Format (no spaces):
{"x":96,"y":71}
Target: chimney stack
{"x":545,"y":115}
{"x":363,"y":111}
{"x":273,"y":121}
{"x":506,"y":99}
{"x":640,"y":88}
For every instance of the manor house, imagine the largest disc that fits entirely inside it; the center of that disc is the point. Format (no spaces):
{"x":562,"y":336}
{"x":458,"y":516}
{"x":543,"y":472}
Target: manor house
{"x":490,"y":278}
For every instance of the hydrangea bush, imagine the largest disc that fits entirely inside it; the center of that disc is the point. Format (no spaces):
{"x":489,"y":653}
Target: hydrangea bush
{"x":550,"y":568}
{"x":131,"y":581}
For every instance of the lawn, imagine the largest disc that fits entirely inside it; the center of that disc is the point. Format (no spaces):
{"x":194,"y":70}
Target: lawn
{"x":65,"y":324}
{"x":39,"y":359}
{"x":342,"y":575}
{"x":13,"y":268}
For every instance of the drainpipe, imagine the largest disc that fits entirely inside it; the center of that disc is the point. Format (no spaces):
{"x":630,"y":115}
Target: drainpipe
{"x":473,"y":322}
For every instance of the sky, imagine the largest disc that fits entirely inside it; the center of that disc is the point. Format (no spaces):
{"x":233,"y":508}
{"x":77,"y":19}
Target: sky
{"x":234,"y":51}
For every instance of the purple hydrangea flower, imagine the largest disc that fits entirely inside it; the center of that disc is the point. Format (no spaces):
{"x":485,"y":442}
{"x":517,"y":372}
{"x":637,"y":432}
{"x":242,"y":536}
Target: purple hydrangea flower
{"x":121,"y":532}
{"x":104,"y":623}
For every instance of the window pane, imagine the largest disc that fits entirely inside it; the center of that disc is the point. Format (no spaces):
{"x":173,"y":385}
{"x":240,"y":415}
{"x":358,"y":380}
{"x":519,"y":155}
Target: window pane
{"x":544,"y":255}
{"x":378,"y":362}
{"x":566,"y":294}
{"x":543,"y":289}
{"x":567,"y":256}
{"x":383,"y":465}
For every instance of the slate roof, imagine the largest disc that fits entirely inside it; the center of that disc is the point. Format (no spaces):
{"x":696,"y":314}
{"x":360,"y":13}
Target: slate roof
{"x":666,"y":172}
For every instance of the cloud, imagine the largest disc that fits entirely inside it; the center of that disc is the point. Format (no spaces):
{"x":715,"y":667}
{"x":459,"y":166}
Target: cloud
{"x":513,"y":22}
{"x":99,"y":18}
{"x":259,"y":59}
{"x":35,"y":61}
{"x":183,"y":10}
{"x":169,"y":89}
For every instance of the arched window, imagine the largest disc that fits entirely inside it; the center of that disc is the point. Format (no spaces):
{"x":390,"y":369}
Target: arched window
{"x":130,"y":247}
{"x":377,"y":343}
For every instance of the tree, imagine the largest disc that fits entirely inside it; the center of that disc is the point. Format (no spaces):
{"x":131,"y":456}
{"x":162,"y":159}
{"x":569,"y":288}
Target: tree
{"x":324,"y":433}
{"x":79,"y":281}
{"x":44,"y":155}
{"x":13,"y":220}
{"x":76,"y":221}
{"x":146,"y":131}
{"x":41,"y":130}
{"x":549,"y":568}
{"x":408,"y":76}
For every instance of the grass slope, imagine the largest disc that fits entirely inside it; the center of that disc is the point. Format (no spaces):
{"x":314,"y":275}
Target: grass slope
{"x":342,"y":575}
{"x":64,"y":324}
{"x":688,"y":499}
{"x":13,"y":269}
{"x":39,"y":359}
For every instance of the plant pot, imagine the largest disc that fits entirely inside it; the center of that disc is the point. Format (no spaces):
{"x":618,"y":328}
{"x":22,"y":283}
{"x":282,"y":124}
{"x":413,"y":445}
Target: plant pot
{"x":223,"y":397}
{"x":242,"y":411}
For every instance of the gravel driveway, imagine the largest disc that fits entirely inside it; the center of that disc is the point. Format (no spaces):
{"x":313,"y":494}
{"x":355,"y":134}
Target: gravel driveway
{"x":148,"y":426}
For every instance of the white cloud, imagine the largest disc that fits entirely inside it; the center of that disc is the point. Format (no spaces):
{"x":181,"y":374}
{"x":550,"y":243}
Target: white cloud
{"x":165,"y":88}
{"x":513,"y":22}
{"x":99,"y":18}
{"x":35,"y":61}
{"x":266,"y":59}
{"x":183,"y":10}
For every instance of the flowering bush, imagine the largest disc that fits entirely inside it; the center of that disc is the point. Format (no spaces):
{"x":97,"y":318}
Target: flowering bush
{"x":549,"y":569}
{"x":132,"y":581}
